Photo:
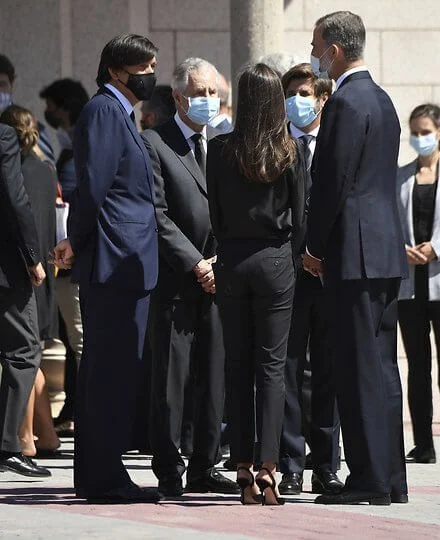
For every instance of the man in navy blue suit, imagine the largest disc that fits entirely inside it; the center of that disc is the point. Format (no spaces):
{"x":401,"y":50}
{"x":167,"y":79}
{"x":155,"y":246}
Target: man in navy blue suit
{"x":355,"y":244}
{"x":113,"y":248}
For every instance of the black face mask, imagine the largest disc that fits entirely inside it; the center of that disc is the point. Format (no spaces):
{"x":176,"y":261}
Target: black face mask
{"x":141,"y":85}
{"x":52,"y":120}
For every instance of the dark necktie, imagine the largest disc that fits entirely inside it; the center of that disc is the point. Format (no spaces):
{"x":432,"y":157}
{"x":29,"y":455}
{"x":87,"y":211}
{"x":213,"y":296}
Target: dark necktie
{"x":199,"y":152}
{"x":305,"y":141}
{"x":133,"y":118}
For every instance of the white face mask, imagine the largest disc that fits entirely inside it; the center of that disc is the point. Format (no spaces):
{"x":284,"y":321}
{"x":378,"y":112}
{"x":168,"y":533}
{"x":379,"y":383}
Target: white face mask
{"x":315,"y":62}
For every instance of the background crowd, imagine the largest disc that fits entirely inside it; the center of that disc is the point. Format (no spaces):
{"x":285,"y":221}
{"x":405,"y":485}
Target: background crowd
{"x":228,"y":199}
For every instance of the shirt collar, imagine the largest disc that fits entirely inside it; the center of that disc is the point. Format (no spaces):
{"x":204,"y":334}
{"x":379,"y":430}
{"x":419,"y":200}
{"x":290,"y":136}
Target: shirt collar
{"x":121,"y":98}
{"x":185,"y":129}
{"x":297,"y":133}
{"x":346,"y":74}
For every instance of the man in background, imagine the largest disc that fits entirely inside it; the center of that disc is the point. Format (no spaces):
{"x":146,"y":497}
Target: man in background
{"x":310,"y":393}
{"x":222,"y":123}
{"x":159,"y":108}
{"x":65,"y":99}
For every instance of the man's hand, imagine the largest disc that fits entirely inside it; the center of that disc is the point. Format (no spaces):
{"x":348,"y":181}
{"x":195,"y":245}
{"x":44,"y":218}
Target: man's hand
{"x":313,"y":265}
{"x":205,"y":275}
{"x":414,"y":256}
{"x":63,"y":255}
{"x":427,"y":250}
{"x":37,"y":274}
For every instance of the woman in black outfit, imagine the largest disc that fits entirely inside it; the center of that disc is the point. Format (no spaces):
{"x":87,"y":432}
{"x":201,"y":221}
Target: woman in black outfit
{"x":256,"y":192}
{"x":419,"y":297}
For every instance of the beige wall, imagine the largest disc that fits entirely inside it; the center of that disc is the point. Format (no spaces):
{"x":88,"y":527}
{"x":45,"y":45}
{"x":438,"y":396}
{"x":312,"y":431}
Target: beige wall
{"x":47,"y":39}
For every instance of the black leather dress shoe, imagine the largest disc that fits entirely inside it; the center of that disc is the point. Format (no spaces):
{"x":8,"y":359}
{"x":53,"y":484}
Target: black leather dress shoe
{"x":291,"y":484}
{"x":326,"y":482}
{"x":23,"y":465}
{"x":127,"y":494}
{"x":421,"y":455}
{"x":171,"y":486}
{"x":351,"y":496}
{"x":399,"y":498}
{"x":211,"y":482}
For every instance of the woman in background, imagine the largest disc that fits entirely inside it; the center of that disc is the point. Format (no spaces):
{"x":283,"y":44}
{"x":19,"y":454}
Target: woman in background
{"x":256,"y":192}
{"x":419,"y":299}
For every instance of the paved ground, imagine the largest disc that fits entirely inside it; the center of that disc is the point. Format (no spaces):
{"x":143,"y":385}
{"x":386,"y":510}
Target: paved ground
{"x":47,"y":509}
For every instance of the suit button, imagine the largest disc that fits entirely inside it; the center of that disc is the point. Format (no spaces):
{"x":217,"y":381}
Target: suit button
{"x":156,"y":229}
{"x":276,"y":263}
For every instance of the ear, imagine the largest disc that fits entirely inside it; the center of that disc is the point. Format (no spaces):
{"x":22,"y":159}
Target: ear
{"x":114,"y":74}
{"x":324,"y":97}
{"x":179,"y":100}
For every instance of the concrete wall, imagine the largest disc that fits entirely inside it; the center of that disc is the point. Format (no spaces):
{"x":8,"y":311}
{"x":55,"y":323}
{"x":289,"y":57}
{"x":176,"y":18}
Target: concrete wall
{"x":47,"y":39}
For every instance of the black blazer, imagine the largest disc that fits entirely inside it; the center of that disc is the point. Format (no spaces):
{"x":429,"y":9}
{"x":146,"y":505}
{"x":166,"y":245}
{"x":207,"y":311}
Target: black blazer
{"x":185,"y":235}
{"x":242,"y":210}
{"x":353,"y":221}
{"x":112,"y":226}
{"x":18,"y":235}
{"x":40,"y":182}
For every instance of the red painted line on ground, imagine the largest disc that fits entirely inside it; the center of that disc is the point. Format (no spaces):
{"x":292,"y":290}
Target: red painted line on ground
{"x":298,"y":519}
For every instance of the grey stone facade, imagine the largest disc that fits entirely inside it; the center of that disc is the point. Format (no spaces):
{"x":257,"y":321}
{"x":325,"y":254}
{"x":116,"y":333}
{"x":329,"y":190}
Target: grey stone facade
{"x":47,"y":39}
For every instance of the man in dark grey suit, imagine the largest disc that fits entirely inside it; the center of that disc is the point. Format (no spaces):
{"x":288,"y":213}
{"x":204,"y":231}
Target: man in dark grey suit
{"x":20,"y":268}
{"x":355,"y":244}
{"x":185,"y":332}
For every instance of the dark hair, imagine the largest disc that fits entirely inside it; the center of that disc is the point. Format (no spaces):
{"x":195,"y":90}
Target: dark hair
{"x":346,"y":29}
{"x":161,"y":103}
{"x":428,"y":110}
{"x":305,"y":71}
{"x":124,"y":50}
{"x":260,"y":142}
{"x":67,"y":94}
{"x":25,"y":125}
{"x":7,"y":67}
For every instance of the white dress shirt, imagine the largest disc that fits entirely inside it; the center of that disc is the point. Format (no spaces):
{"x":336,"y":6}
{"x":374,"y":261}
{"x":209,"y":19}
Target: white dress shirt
{"x":346,"y":74}
{"x":297,"y":133}
{"x":188,"y":133}
{"x":120,"y":96}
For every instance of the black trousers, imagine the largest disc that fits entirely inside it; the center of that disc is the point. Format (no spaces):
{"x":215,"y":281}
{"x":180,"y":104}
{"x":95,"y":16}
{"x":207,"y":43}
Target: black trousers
{"x":255,"y":291}
{"x":320,"y":418}
{"x":186,"y":346}
{"x":415,"y":318}
{"x":20,"y":356}
{"x":114,"y":326}
{"x":362,"y":317}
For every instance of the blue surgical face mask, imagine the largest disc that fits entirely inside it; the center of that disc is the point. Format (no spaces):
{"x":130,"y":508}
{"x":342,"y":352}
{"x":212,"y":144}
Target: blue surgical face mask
{"x":315,"y":62}
{"x":5,"y":101}
{"x":424,"y":145}
{"x":301,"y":111}
{"x":202,"y":110}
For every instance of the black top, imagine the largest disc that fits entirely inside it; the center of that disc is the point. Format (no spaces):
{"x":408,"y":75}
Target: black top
{"x":40,"y":182}
{"x":245,"y":210}
{"x":423,"y":211}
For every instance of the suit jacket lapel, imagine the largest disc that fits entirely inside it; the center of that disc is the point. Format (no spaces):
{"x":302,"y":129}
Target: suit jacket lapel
{"x":177,"y":142}
{"x":133,"y":130}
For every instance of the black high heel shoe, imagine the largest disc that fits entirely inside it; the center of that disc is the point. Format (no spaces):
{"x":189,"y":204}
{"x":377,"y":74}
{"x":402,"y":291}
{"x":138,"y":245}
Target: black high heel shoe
{"x":270,"y":498}
{"x":248,"y":483}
